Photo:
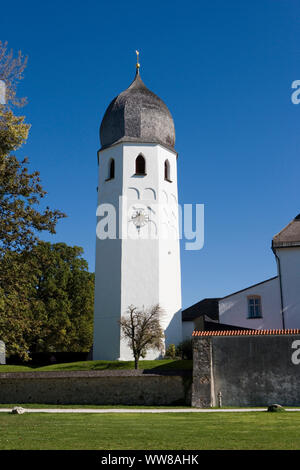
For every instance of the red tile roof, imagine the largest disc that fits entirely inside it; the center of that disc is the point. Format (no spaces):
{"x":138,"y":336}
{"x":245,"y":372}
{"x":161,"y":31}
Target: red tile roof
{"x":246,"y":332}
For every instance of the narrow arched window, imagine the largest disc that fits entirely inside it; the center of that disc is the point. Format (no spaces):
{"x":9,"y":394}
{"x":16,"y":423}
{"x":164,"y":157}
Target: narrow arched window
{"x":140,"y":165}
{"x":167,"y":170}
{"x":111,"y":169}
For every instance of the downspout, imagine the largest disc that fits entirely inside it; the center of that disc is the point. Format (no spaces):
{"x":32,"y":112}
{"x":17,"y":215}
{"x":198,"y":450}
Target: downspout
{"x":280,"y":284}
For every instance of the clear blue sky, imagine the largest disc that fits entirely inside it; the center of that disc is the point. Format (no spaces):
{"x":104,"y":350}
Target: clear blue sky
{"x":224,"y":68}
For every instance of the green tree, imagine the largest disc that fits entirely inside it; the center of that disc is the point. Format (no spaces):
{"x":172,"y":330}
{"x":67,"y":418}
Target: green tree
{"x":20,"y":191}
{"x":63,"y":300}
{"x":47,"y":300}
{"x":17,"y":321}
{"x":21,"y":218}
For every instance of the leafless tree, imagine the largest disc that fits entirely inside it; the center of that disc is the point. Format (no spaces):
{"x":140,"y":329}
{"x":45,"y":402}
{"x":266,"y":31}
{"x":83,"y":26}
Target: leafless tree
{"x":11,"y":72}
{"x":142,"y":330}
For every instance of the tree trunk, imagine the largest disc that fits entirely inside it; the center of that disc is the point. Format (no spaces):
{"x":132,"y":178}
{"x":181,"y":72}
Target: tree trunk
{"x":136,"y":362}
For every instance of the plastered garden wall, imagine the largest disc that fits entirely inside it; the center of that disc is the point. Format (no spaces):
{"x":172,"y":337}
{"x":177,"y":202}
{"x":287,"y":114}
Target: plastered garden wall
{"x":97,"y":388}
{"x":246,"y":370}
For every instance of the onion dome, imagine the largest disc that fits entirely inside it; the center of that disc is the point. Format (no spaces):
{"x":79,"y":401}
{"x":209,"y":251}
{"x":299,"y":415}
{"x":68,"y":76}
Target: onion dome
{"x":137,"y":115}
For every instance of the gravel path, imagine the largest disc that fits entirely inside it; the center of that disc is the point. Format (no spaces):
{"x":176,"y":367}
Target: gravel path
{"x":139,"y":410}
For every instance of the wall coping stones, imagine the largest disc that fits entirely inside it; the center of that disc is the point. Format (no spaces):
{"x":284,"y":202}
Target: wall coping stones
{"x":93,"y":374}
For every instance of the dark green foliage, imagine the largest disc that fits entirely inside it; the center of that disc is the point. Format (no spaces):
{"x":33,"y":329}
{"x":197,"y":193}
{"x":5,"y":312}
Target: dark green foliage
{"x":46,"y":300}
{"x":65,"y":298}
{"x":185,"y":349}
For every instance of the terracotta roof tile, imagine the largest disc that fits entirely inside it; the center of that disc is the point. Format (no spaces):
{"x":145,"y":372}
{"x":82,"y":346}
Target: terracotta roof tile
{"x":246,"y":332}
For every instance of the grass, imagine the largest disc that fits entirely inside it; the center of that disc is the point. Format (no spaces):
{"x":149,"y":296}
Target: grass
{"x":256,"y":430}
{"x":162,"y":364}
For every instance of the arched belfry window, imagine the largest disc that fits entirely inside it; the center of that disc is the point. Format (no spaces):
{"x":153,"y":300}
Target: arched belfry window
{"x":140,"y":165}
{"x":167,"y":170}
{"x":111,"y":169}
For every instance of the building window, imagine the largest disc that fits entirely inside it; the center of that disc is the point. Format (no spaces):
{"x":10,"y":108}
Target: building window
{"x":254,"y":306}
{"x":167,"y":171}
{"x":140,"y":165}
{"x":111,"y":170}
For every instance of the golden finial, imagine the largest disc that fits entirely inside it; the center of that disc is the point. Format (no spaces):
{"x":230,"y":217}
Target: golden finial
{"x":137,"y":59}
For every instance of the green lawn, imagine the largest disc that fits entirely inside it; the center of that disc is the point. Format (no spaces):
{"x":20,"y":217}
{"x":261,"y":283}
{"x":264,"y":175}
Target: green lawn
{"x":163,"y":364}
{"x":255,"y":430}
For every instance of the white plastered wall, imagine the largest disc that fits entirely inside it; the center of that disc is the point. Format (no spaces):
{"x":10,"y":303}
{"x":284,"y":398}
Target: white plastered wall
{"x":233,"y":310}
{"x":139,"y":271}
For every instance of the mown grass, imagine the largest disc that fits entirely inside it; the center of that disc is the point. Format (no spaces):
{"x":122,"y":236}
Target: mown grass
{"x":162,"y":364}
{"x":255,"y":430}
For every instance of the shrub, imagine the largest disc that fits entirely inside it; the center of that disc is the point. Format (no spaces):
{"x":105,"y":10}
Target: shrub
{"x":185,"y":349}
{"x":171,"y":351}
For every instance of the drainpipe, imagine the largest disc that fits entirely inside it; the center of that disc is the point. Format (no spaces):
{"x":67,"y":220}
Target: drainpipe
{"x":280,"y":284}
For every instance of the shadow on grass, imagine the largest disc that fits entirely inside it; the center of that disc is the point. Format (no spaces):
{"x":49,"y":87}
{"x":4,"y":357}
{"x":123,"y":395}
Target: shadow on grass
{"x":147,"y":366}
{"x":174,"y":365}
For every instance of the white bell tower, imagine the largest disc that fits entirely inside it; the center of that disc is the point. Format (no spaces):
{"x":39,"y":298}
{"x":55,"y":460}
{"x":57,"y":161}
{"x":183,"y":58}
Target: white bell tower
{"x":137,"y":180}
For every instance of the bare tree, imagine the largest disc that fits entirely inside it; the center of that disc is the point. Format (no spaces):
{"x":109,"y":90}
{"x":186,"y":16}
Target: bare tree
{"x":142,"y":330}
{"x":11,"y":72}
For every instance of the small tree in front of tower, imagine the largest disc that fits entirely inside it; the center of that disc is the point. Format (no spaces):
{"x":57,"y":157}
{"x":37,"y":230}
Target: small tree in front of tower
{"x":142,"y":330}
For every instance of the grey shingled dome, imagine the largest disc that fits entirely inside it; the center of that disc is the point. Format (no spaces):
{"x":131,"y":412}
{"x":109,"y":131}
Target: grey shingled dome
{"x":137,"y":115}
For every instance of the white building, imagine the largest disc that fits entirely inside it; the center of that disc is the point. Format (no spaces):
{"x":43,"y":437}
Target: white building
{"x":141,"y":266}
{"x":271,"y":304}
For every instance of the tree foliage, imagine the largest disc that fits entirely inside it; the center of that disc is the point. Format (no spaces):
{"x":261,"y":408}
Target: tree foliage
{"x":185,"y":349}
{"x":13,"y":129}
{"x":64,"y":297}
{"x":22,"y":313}
{"x":142,"y":330}
{"x":11,"y":72}
{"x":20,"y":217}
{"x":16,"y":301}
{"x":20,"y":190}
{"x":171,"y":351}
{"x":51,"y":306}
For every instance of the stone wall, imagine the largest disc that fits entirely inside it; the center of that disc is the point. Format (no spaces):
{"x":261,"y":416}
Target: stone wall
{"x":97,"y":387}
{"x":202,"y":373}
{"x":247,"y":370}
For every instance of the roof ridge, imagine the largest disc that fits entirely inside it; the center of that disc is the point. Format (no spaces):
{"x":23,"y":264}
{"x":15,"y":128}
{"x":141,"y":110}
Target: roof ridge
{"x":284,"y":228}
{"x":249,"y":287}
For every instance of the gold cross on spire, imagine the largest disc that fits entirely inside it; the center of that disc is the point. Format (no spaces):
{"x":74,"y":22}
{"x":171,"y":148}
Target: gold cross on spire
{"x":137,"y":59}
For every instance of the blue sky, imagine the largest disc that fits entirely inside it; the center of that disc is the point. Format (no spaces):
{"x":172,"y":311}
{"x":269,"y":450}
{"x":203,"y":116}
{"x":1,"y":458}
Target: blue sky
{"x":224,"y":68}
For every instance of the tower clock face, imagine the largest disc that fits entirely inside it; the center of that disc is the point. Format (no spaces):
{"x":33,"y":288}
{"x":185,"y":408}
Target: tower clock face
{"x":140,"y":218}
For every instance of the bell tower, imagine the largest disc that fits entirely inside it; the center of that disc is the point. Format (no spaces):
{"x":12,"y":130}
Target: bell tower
{"x":139,"y":266}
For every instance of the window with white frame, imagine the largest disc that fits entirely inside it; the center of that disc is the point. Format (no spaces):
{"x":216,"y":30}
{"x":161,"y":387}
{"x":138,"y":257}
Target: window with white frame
{"x":254,"y":306}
